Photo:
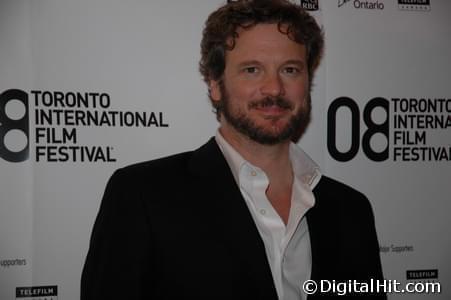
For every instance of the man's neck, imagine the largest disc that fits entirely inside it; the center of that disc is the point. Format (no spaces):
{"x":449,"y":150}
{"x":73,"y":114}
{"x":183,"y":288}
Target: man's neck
{"x":274,"y":160}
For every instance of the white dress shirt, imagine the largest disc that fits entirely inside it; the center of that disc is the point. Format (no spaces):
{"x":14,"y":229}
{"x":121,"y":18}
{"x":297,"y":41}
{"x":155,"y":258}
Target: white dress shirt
{"x":287,"y":246}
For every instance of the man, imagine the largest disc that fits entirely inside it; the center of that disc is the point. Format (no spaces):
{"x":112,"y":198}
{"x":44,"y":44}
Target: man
{"x":247,"y":215}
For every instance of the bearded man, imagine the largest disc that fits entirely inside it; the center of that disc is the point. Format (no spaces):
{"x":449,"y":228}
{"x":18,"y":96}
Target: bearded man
{"x":248,"y":215}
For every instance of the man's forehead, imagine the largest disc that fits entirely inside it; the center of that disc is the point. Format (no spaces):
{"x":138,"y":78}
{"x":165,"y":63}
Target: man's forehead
{"x":263,"y":32}
{"x":264,"y":37}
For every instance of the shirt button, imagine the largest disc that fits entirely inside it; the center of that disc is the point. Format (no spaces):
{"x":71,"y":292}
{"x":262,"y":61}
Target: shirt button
{"x":262,"y":211}
{"x":253,"y":173}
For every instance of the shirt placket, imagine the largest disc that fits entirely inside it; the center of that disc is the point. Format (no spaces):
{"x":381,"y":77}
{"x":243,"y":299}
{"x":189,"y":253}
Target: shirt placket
{"x":273,"y":226}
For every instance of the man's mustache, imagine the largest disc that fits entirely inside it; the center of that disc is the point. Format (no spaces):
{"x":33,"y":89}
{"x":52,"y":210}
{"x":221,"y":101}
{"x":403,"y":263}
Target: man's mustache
{"x":268,"y":101}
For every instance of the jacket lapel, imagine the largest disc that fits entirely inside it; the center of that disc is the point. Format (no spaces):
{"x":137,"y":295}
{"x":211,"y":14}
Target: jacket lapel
{"x":230,"y":217}
{"x":324,"y":238}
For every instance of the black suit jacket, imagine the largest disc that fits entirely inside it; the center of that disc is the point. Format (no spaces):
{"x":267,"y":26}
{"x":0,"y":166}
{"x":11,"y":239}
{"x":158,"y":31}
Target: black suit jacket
{"x":178,"y":228}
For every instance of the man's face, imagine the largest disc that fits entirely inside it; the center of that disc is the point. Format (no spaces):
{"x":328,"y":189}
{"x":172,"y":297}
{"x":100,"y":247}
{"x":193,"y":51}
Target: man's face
{"x":264,"y":91}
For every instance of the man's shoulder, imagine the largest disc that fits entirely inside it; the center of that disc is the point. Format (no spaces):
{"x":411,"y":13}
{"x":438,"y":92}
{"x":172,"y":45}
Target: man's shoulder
{"x":333,"y":192}
{"x":154,"y":170}
{"x":165,"y":163}
{"x":330,"y":185}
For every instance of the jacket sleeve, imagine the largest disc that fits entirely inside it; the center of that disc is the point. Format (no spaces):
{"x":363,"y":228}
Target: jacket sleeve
{"x":117,"y":263}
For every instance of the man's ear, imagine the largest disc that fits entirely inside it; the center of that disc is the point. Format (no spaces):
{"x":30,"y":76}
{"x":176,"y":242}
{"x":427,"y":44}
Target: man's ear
{"x":215,"y":90}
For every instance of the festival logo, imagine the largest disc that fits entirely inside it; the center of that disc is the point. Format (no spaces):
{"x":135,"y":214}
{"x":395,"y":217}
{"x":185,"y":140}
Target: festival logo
{"x":58,"y":119}
{"x":408,"y":129}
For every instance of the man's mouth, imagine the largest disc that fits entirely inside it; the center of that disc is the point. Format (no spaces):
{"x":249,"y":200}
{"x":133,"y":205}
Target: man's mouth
{"x":271,"y":104}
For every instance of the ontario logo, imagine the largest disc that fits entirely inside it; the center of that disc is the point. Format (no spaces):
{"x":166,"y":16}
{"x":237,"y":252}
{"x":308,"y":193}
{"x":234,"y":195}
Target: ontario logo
{"x":358,"y":4}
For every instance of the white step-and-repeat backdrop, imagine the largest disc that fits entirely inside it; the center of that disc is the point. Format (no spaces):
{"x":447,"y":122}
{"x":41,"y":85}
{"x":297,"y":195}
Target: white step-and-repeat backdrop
{"x":89,"y":86}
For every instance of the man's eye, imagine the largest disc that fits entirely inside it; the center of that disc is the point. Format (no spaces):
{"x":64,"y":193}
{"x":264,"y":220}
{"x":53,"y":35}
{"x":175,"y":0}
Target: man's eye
{"x":250,"y":70}
{"x":291,"y":70}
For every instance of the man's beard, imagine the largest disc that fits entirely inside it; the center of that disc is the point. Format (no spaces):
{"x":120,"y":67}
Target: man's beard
{"x":292,"y":130}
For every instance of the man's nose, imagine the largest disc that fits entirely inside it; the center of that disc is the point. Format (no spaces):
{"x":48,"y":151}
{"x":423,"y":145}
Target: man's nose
{"x":272,"y":85}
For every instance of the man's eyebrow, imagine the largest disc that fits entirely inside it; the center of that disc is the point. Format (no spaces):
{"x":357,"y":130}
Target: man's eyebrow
{"x":248,"y":63}
{"x":298,"y":62}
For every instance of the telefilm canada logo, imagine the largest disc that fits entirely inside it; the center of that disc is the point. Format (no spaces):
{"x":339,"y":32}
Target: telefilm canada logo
{"x":37,"y":293}
{"x":359,"y":4}
{"x":422,"y":275}
{"x":58,"y":119}
{"x":411,"y":129}
{"x":414,"y":5}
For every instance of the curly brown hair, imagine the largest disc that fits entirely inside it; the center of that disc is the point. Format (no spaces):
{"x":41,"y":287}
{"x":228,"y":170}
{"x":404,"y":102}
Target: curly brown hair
{"x":221,"y":31}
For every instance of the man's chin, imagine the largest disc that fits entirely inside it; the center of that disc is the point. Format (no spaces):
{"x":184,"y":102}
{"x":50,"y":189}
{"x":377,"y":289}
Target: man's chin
{"x":269,"y":140}
{"x":263,"y":130}
{"x":269,"y":136}
{"x":273,"y":127}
